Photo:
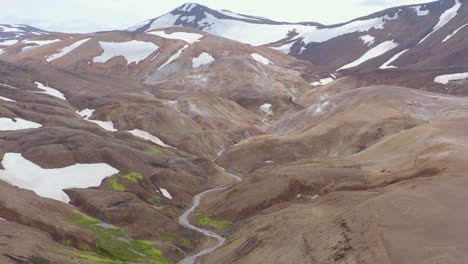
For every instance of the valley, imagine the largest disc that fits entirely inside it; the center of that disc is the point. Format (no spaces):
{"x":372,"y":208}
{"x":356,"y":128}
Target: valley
{"x":208,"y":136}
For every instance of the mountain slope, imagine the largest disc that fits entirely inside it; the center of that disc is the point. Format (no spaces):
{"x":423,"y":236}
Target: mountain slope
{"x":417,"y":35}
{"x":11,"y":34}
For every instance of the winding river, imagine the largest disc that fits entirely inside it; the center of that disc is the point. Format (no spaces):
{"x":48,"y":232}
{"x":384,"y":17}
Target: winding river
{"x":183,"y":220}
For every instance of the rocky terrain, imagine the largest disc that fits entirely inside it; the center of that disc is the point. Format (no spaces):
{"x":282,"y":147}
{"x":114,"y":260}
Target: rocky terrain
{"x":206,"y":136}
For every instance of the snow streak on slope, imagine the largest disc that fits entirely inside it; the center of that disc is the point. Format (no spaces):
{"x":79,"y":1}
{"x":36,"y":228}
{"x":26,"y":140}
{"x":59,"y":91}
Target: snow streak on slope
{"x":185,"y":36}
{"x":444,"y":79}
{"x":455,"y":32}
{"x":50,"y":91}
{"x":261,"y":59}
{"x":388,"y":65}
{"x":8,"y":124}
{"x":173,"y":57}
{"x":50,"y":183}
{"x":6,"y":99}
{"x":145,"y":135}
{"x":376,"y":51}
{"x":448,"y":15}
{"x":286,"y":48}
{"x":66,"y":50}
{"x":132,"y":51}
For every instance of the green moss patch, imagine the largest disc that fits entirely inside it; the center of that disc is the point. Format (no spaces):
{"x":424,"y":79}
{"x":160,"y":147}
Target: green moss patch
{"x":154,"y":150}
{"x":113,"y":246}
{"x":210,"y":222}
{"x":116,"y":185}
{"x":133,"y":176}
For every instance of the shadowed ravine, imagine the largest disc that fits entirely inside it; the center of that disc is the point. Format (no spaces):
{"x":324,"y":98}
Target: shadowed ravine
{"x":183,"y":220}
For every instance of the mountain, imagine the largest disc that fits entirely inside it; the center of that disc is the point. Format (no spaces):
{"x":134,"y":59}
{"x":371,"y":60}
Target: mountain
{"x":195,"y":138}
{"x":244,"y":28}
{"x":11,"y":34}
{"x":400,"y":36}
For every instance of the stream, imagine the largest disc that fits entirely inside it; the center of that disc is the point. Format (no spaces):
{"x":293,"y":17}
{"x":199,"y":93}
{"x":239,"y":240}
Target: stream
{"x":183,"y":220}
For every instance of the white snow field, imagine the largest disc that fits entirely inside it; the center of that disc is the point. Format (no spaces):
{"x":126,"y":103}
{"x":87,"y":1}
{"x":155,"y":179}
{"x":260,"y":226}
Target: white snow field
{"x":376,"y":51}
{"x":448,"y":15}
{"x":388,"y":64}
{"x":202,"y":60}
{"x":132,"y":51}
{"x":50,"y":91}
{"x":50,"y":183}
{"x":37,"y":43}
{"x":261,"y":59}
{"x":66,"y":50}
{"x":145,"y":135}
{"x":185,"y":36}
{"x":87,"y":113}
{"x":322,"y":35}
{"x":250,"y":33}
{"x":454,"y":32}
{"x":8,"y":124}
{"x":444,"y":79}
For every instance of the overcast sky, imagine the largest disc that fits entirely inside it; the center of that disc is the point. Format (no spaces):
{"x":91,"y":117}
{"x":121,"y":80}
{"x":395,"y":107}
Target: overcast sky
{"x":95,"y":15}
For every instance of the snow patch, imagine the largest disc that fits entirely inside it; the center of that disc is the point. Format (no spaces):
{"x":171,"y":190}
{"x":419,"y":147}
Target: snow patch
{"x":261,"y":59}
{"x":444,"y":79}
{"x":266,"y":108}
{"x":165,"y":193}
{"x":420,"y":12}
{"x":66,"y":50}
{"x":448,"y":15}
{"x":107,"y":125}
{"x":145,"y":135}
{"x":50,"y":183}
{"x":323,"y":81}
{"x":50,"y":91}
{"x":132,"y":51}
{"x":376,"y":51}
{"x":185,"y":36}
{"x":368,"y":40}
{"x":387,"y":65}
{"x":202,"y":59}
{"x":11,"y":124}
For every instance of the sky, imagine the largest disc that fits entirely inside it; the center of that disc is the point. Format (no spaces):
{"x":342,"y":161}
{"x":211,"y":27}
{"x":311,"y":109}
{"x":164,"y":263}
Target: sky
{"x":95,"y":15}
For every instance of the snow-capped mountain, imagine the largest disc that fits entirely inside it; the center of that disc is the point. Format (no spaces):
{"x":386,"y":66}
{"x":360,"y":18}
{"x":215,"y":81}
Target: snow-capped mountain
{"x":389,"y":38}
{"x":11,"y":34}
{"x":244,"y":28}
